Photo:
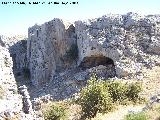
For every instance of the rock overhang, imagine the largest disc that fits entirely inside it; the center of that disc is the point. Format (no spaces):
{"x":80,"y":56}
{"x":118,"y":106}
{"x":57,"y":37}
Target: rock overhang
{"x":121,"y":38}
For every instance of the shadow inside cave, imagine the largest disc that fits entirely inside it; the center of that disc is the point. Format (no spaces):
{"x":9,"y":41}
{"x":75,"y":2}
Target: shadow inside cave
{"x":101,"y":65}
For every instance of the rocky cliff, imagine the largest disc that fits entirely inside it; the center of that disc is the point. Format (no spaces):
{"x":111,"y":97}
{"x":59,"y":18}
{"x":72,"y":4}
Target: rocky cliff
{"x":46,"y":49}
{"x":15,"y":103}
{"x":130,"y":40}
{"x":111,"y":46}
{"x":10,"y":101}
{"x":17,"y":47}
{"x":123,"y":43}
{"x":58,"y":57}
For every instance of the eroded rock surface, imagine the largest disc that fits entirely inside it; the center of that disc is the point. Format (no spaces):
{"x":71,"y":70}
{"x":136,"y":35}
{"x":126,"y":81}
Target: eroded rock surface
{"x":11,"y":102}
{"x":17,"y":47}
{"x":46,"y":49}
{"x":130,"y":40}
{"x":60,"y":54}
{"x":112,"y":45}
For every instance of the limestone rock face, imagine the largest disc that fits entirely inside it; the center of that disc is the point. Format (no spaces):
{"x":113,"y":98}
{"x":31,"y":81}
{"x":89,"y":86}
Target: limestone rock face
{"x":129,"y":40}
{"x":10,"y":100}
{"x":46,"y":49}
{"x":64,"y":55}
{"x":126,"y":42}
{"x":7,"y":81}
{"x":12,"y":104}
{"x":17,"y":47}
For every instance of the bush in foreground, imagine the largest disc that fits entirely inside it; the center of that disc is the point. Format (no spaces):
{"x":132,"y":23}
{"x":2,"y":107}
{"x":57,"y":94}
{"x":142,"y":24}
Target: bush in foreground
{"x":117,"y":91}
{"x":56,"y":112}
{"x":100,"y":96}
{"x":123,"y":92}
{"x":94,"y":98}
{"x":133,"y":90}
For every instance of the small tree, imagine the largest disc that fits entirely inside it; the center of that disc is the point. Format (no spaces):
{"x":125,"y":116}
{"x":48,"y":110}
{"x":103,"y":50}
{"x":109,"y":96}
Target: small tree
{"x":95,"y":98}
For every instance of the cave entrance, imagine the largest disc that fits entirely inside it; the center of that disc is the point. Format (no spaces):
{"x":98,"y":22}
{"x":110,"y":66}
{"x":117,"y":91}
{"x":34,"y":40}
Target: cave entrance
{"x":101,"y":65}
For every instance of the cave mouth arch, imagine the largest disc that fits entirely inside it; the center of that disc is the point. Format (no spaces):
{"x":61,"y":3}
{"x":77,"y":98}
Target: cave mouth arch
{"x":95,"y":61}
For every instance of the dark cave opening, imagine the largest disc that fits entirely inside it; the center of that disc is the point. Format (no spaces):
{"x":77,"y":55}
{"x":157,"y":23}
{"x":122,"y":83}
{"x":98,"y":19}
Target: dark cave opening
{"x":94,"y":61}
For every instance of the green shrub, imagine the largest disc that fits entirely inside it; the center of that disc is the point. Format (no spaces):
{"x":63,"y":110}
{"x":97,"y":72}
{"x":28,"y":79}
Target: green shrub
{"x":56,"y":112}
{"x":133,"y":91}
{"x":138,"y":116}
{"x":95,"y":98}
{"x":117,"y":91}
{"x":101,"y":96}
{"x":123,"y":92}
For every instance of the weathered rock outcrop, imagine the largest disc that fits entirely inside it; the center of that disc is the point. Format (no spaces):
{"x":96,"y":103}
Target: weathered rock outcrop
{"x":47,"y":47}
{"x":17,"y":47}
{"x":130,"y":40}
{"x":10,"y":100}
{"x":27,"y":105}
{"x":126,"y":42}
{"x":59,"y":58}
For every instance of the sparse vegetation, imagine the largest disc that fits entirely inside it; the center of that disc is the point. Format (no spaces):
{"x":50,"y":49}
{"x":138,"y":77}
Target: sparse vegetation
{"x":125,"y":93}
{"x":133,"y":90}
{"x":150,"y":114}
{"x":95,"y":98}
{"x":137,"y":116}
{"x":56,"y":112}
{"x":101,"y":96}
{"x":117,"y":91}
